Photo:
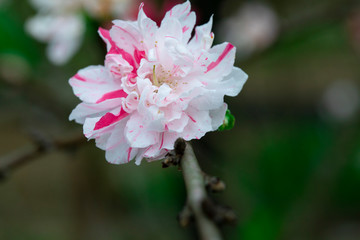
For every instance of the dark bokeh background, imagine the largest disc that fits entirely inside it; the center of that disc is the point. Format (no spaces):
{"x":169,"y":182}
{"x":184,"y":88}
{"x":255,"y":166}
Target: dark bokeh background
{"x":291,"y":163}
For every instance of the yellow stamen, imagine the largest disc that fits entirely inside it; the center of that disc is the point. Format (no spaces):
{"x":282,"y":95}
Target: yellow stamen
{"x":155,"y":81}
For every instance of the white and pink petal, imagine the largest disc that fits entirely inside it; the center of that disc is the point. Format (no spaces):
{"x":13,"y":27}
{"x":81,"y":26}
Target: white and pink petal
{"x":91,"y":110}
{"x":182,"y":13}
{"x":221,"y":60}
{"x":126,"y":37}
{"x":120,"y":154}
{"x":203,"y":37}
{"x":95,"y":84}
{"x":178,"y":125}
{"x":138,"y":134}
{"x":118,"y":65}
{"x":94,"y":127}
{"x":198,"y":125}
{"x":147,"y":28}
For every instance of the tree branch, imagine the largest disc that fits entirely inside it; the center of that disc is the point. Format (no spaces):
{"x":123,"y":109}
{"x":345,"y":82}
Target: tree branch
{"x":195,"y":185}
{"x":38,"y":147}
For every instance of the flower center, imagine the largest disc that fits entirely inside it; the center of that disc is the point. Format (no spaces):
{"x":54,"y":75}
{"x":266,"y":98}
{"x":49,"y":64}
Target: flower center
{"x":161,"y":76}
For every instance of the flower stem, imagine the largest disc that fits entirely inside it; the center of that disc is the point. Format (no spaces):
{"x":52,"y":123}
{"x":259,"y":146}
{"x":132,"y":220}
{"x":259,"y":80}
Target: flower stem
{"x":195,"y":185}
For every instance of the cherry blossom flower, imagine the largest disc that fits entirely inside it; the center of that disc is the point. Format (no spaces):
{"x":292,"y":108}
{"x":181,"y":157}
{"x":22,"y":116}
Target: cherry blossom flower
{"x":156,"y":85}
{"x":253,"y":28}
{"x":60,"y":23}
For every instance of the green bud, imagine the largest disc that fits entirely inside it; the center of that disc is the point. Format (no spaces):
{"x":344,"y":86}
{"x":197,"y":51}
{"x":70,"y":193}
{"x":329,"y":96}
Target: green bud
{"x":229,"y":121}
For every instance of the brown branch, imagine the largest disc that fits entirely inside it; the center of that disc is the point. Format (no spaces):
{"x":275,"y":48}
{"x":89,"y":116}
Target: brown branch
{"x":199,"y":206}
{"x":197,"y":195}
{"x":37,"y":148}
{"x":207,"y":213}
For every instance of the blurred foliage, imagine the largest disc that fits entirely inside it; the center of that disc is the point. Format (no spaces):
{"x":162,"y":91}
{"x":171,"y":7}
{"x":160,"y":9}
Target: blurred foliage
{"x":14,"y":40}
{"x":291,"y":171}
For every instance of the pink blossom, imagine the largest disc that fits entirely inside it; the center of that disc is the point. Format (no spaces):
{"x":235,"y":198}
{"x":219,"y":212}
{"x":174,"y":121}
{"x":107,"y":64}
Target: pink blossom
{"x":156,"y":85}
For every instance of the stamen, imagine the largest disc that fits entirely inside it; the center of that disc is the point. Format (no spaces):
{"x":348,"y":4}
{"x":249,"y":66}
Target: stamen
{"x":155,"y":81}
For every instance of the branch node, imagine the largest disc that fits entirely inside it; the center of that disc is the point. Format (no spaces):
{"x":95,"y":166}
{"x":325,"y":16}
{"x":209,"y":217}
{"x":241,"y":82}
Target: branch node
{"x":180,"y":146}
{"x":213,"y":184}
{"x":219,"y":213}
{"x":185,"y":216}
{"x":173,"y":158}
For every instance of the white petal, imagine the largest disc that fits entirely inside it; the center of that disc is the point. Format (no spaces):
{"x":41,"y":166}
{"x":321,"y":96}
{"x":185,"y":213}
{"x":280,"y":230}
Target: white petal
{"x":178,"y":125}
{"x":163,"y":91}
{"x":170,"y":28}
{"x":137,"y":133}
{"x":212,"y":99}
{"x":102,"y":140}
{"x":218,"y":116}
{"x":203,"y":37}
{"x":169,"y":140}
{"x":178,"y":10}
{"x":180,"y":56}
{"x":147,"y":28}
{"x":198,"y":125}
{"x":140,"y":156}
{"x":232,"y":84}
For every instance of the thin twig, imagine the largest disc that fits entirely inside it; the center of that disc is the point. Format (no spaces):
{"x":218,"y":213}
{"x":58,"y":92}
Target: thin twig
{"x":195,"y":185}
{"x":38,"y":147}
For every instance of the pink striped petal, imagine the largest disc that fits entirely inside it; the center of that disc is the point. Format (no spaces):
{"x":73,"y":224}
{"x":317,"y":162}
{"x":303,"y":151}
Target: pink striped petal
{"x":109,"y":119}
{"x":226,"y":51}
{"x":220,"y":61}
{"x":92,"y":83}
{"x":111,"y":95}
{"x":91,"y":110}
{"x":187,"y":19}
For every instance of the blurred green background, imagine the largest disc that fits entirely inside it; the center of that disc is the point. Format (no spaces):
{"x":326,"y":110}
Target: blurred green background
{"x":291,"y":163}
